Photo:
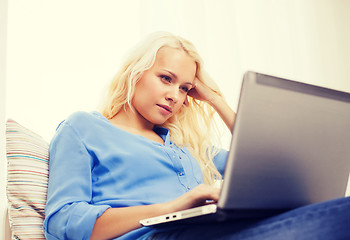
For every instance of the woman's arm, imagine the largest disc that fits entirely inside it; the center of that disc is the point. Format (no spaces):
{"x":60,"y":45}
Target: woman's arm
{"x":115,"y":222}
{"x":203,"y":93}
{"x":224,"y":111}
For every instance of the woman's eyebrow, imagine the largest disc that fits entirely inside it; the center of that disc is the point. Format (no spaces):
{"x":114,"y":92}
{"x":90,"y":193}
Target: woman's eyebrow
{"x":175,"y":76}
{"x":171,"y":73}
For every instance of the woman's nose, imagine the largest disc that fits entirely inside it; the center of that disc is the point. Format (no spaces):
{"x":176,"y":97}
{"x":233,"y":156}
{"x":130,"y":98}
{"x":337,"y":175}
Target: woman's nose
{"x":172,"y":95}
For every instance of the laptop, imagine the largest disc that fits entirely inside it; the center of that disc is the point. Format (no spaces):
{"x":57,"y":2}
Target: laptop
{"x":289,"y":148}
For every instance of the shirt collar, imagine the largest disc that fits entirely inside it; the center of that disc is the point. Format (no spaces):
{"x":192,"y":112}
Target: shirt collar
{"x":163,"y":133}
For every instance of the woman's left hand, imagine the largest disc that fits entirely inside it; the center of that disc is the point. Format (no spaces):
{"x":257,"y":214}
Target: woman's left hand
{"x":201,"y":92}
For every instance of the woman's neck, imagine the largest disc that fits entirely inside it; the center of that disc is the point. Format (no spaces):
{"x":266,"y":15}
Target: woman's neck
{"x":135,"y":125}
{"x":129,"y":120}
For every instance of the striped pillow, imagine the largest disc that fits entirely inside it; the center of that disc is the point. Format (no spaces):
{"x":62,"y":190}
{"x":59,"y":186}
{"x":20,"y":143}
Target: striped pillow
{"x":27,"y":180}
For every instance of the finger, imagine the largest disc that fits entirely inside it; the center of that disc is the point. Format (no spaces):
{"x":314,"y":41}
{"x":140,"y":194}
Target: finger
{"x":186,"y":103}
{"x":209,"y":192}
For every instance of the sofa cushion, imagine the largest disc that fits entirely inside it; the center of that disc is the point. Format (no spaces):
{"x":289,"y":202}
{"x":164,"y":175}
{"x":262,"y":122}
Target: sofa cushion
{"x":27,"y":180}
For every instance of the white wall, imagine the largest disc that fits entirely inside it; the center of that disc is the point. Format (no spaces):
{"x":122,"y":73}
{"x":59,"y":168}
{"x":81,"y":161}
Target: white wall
{"x":3,"y":200}
{"x":304,"y":40}
{"x":61,"y":54}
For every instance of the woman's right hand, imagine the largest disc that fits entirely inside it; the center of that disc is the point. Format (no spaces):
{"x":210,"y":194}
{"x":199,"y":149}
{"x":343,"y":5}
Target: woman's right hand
{"x":127,"y":218}
{"x":198,"y":196}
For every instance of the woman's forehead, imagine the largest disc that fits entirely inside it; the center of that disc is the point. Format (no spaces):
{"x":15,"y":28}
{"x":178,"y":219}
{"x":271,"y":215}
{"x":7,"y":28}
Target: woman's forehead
{"x":176,"y":60}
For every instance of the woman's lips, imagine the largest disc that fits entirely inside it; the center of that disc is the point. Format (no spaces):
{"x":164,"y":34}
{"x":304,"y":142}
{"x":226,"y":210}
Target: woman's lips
{"x":165,"y":108}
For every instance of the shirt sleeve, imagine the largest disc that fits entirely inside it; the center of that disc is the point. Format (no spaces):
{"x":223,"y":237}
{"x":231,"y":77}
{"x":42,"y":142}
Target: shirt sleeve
{"x":220,"y":161}
{"x":69,"y":211}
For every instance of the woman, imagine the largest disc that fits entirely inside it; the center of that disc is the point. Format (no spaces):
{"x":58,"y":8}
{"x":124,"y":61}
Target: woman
{"x":148,"y":154}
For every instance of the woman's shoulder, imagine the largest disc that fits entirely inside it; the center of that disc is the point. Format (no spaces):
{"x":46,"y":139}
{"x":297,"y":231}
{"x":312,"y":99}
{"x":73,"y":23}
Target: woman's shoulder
{"x":81,"y":119}
{"x":85,"y":116}
{"x":82,"y":124}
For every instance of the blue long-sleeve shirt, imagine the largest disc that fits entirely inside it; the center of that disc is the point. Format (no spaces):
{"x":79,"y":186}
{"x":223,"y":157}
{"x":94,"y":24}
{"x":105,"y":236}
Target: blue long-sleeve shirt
{"x":95,"y":166}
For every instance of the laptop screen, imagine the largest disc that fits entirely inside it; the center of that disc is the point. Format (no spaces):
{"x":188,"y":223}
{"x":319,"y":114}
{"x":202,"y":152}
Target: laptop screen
{"x":290,"y":145}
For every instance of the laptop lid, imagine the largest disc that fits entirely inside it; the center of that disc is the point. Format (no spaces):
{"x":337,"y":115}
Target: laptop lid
{"x":290,"y":145}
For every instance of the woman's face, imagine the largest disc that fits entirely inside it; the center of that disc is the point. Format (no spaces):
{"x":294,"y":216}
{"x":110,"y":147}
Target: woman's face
{"x":162,"y":89}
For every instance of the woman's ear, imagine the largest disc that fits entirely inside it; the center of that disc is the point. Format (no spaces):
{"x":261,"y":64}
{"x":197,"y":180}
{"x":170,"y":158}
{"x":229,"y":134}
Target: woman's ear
{"x":186,"y":102}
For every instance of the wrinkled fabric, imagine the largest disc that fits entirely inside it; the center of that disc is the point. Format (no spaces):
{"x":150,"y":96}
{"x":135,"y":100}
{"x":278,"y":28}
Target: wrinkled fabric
{"x":328,"y":220}
{"x":95,"y":166}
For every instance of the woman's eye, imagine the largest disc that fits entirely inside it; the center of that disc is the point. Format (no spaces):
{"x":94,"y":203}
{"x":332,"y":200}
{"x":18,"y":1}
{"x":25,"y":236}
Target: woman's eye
{"x":165,"y":78}
{"x":185,"y":89}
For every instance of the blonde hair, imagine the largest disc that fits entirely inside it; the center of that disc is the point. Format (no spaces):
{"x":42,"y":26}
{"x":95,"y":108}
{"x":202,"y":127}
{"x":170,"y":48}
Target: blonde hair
{"x":192,"y":126}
